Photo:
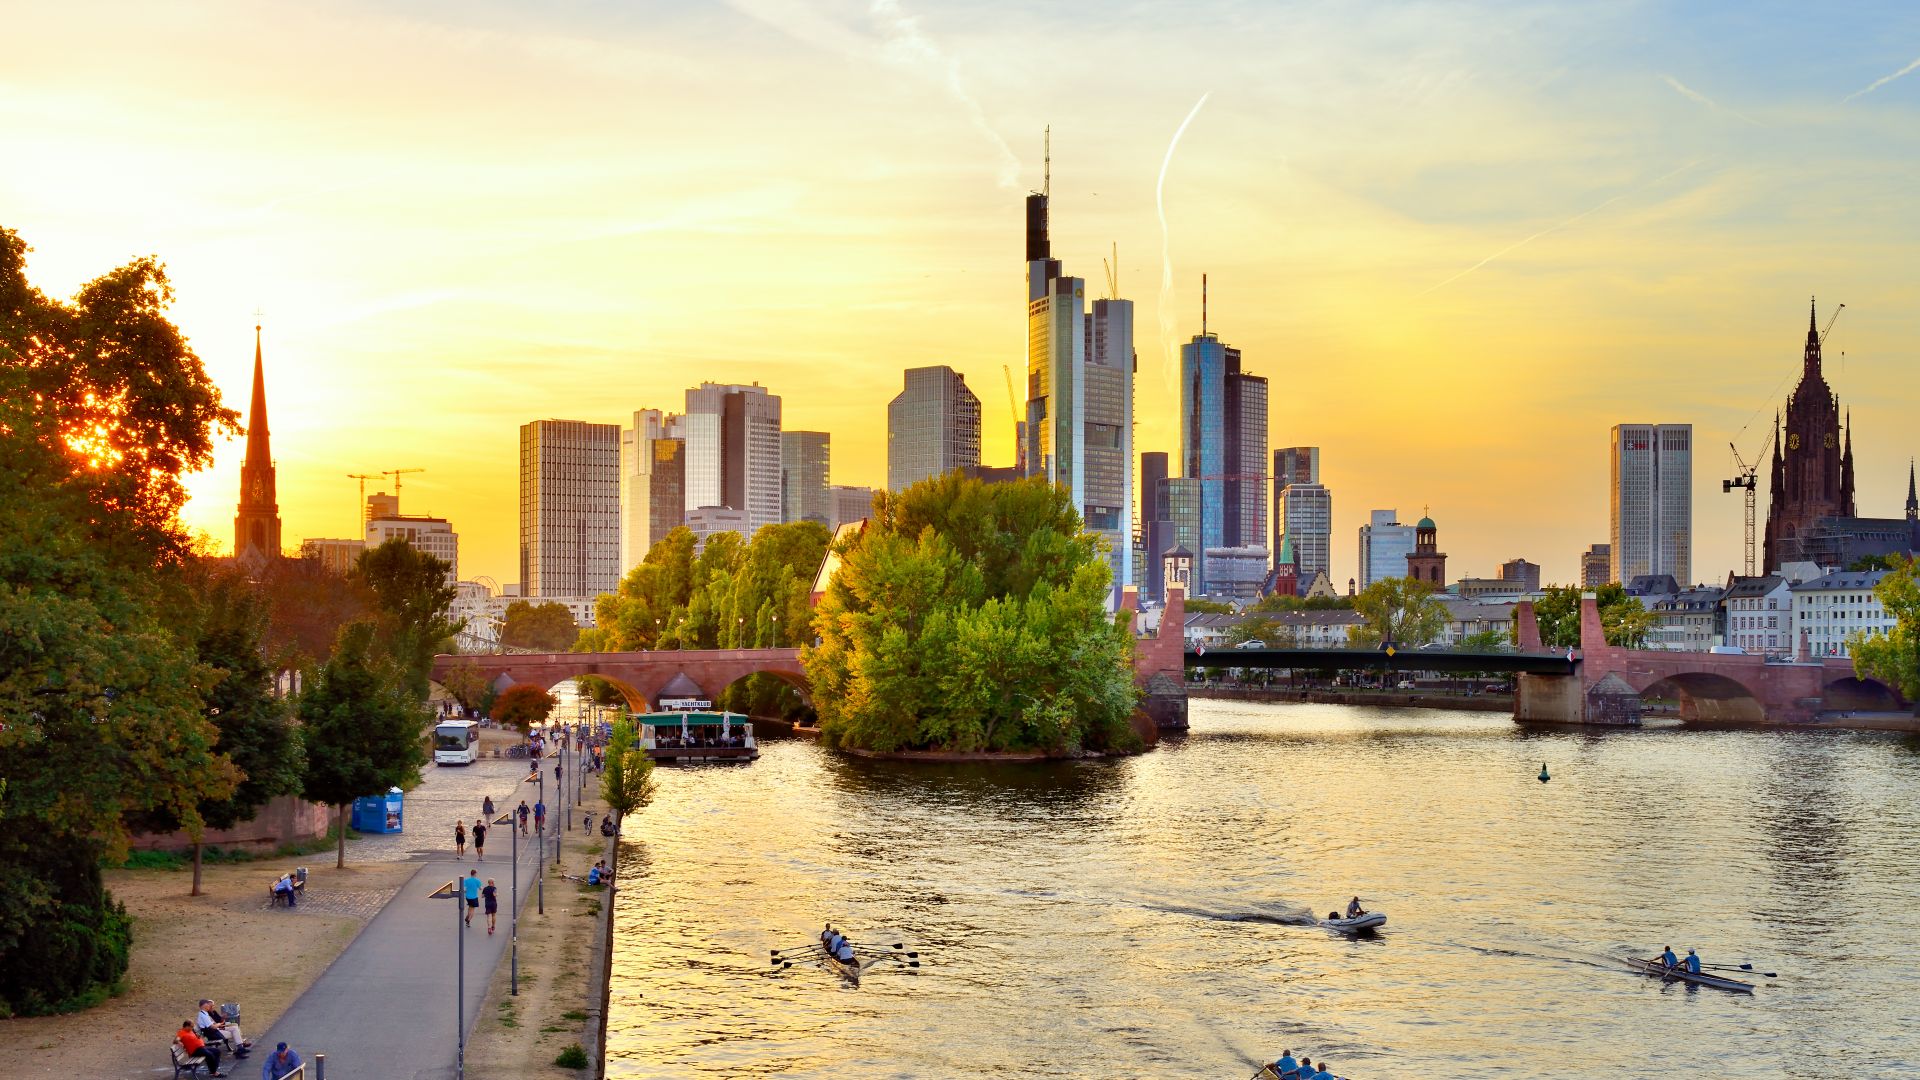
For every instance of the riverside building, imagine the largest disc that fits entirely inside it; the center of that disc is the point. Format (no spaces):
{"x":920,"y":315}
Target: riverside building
{"x":652,"y":483}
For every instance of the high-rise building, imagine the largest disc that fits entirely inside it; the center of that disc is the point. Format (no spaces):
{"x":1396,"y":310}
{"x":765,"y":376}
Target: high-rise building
{"x":933,"y":427}
{"x":667,"y":490}
{"x":1650,"y":484}
{"x":1079,"y":422}
{"x":706,"y":521}
{"x":1522,"y":573}
{"x":334,"y":556}
{"x":851,"y":503}
{"x":569,"y":508}
{"x":1155,"y":529}
{"x":733,"y":451}
{"x":1293,"y":465}
{"x":640,"y":514}
{"x":256,"y":522}
{"x":1596,"y":566}
{"x":431,"y":535}
{"x":1427,"y":562}
{"x":1305,"y":515}
{"x":1223,"y":444}
{"x":1812,"y":460}
{"x":1384,"y":546}
{"x":382,"y":505}
{"x":804,"y":462}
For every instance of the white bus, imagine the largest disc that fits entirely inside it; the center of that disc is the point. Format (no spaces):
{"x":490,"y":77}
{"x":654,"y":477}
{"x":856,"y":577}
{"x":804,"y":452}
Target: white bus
{"x":456,"y":742}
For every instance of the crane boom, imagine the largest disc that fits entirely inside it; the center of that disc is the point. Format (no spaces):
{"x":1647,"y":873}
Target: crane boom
{"x":1013,"y":406}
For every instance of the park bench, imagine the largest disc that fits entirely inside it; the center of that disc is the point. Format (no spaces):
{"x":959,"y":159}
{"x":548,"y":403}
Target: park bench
{"x":185,"y":1063}
{"x":299,"y":886}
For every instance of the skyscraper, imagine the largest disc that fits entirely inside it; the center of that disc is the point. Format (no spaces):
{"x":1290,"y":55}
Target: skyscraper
{"x":667,"y":487}
{"x":1384,"y":547}
{"x":1596,"y":563}
{"x":1293,"y":465}
{"x":1223,"y":443}
{"x":733,"y":451}
{"x":1306,"y":522}
{"x":933,"y":427}
{"x":639,"y":513}
{"x":1812,"y":460}
{"x":256,"y":522}
{"x":1650,"y":486}
{"x":850,"y":503}
{"x":1079,"y":422}
{"x":804,"y":463}
{"x":569,"y":508}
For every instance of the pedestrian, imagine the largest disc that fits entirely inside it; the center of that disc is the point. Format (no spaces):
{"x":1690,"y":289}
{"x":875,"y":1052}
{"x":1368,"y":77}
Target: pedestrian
{"x":556,"y":776}
{"x":460,"y":839}
{"x":523,"y":817}
{"x":471,"y":885}
{"x":492,"y":896}
{"x":480,"y":840}
{"x":540,"y":816}
{"x":586,"y":821}
{"x":282,"y":1061}
{"x":486,"y":807}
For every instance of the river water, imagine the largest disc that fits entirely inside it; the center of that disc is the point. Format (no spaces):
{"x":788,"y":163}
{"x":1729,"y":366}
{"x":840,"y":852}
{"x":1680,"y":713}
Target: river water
{"x":1144,"y":917}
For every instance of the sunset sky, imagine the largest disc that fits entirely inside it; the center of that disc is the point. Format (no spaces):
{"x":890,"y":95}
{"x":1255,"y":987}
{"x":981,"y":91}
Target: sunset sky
{"x":1461,"y":239}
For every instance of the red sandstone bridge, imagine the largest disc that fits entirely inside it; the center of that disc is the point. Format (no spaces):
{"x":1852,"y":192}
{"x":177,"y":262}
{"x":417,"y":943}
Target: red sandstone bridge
{"x":1558,"y":686}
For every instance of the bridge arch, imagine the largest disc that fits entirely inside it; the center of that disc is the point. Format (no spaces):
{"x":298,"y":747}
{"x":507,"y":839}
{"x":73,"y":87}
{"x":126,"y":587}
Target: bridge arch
{"x":1851,"y":693}
{"x":1707,"y":695}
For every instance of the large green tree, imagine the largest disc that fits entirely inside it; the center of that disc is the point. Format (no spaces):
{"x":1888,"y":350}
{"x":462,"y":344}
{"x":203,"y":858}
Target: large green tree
{"x":411,"y":594}
{"x":545,"y":626}
{"x":1623,"y":619}
{"x":364,"y":728}
{"x":627,"y":782}
{"x":1894,"y":658}
{"x":971,"y":617}
{"x":1398,"y":610}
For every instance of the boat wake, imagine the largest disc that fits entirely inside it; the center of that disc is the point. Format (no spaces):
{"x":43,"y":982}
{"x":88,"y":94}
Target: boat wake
{"x":1283,"y":917}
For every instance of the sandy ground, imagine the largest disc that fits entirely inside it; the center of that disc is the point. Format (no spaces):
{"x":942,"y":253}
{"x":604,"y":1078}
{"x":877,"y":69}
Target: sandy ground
{"x":226,"y":944}
{"x":520,"y":1036}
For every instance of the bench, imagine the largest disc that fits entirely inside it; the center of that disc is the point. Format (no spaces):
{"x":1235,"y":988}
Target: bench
{"x":299,"y":887}
{"x":185,"y":1063}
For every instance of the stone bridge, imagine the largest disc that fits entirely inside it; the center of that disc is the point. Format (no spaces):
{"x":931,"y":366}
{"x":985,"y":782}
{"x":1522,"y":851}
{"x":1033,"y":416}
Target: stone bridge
{"x":1709,"y":686}
{"x":639,"y":676}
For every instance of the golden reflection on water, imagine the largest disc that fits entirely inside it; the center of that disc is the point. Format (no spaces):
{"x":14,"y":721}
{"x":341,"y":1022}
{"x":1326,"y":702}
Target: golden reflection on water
{"x":1144,"y":917}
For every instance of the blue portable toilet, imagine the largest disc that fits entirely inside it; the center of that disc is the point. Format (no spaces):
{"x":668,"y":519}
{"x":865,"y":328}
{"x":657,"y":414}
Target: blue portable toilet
{"x":379,"y":813}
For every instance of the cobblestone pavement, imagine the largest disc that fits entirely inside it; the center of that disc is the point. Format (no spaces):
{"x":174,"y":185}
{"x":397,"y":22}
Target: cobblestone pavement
{"x":449,"y":793}
{"x":362,"y":904}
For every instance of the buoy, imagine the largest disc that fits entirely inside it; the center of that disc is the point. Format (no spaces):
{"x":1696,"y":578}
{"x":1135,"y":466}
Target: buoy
{"x":1543,"y":773}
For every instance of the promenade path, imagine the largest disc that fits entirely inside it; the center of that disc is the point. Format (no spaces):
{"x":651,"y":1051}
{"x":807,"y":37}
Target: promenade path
{"x":385,"y":1007}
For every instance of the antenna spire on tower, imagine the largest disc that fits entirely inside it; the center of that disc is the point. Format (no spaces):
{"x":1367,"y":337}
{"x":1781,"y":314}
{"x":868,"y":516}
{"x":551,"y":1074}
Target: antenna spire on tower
{"x":1046,"y":161}
{"x":1203,"y":305}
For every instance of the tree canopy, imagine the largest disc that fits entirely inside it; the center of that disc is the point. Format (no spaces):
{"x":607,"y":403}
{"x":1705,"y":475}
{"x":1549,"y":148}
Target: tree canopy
{"x":1398,"y":610}
{"x":1625,"y":621}
{"x":544,"y":626}
{"x":411,"y":592}
{"x":972,"y":616}
{"x":1894,"y":658}
{"x":365,"y":730}
{"x":627,"y":782}
{"x":523,"y":707}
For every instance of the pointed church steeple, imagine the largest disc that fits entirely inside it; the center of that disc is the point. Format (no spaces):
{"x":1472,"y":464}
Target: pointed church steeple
{"x":1811,"y":359}
{"x":1846,"y":469}
{"x":256,"y":527}
{"x":1913,"y":496}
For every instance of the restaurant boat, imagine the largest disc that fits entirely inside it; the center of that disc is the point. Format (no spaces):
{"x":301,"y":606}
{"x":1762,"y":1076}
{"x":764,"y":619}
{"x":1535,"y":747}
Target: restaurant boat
{"x":697,"y":735}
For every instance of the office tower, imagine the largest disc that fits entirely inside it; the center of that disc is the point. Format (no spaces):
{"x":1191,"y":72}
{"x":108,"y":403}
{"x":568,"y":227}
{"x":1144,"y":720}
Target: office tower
{"x":1156,"y":528}
{"x":569,"y":508}
{"x":1294,"y":465}
{"x":804,"y":493}
{"x":1223,"y":443}
{"x":733,"y":451}
{"x":1522,"y":573}
{"x":641,"y":517}
{"x":1812,"y":461}
{"x":1650,"y":485}
{"x":933,"y":427}
{"x":1427,"y":562}
{"x":706,"y":521}
{"x":1079,"y":421}
{"x":1596,"y":565}
{"x":667,"y":488}
{"x":851,"y":503}
{"x":256,"y":521}
{"x":1384,"y":547}
{"x":1306,"y":522}
{"x":432,"y":535}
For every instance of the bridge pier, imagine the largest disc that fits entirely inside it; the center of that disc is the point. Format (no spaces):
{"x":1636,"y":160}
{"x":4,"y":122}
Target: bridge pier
{"x":1549,"y":699}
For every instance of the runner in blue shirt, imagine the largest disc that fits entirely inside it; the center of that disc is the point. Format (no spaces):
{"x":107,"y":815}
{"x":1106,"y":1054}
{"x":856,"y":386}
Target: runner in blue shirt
{"x":471,"y":885}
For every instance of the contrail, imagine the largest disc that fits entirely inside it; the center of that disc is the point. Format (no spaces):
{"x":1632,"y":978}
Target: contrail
{"x":905,"y":37}
{"x":1556,"y":228}
{"x":1881,"y":81}
{"x":1166,"y":252}
{"x":1699,"y":98}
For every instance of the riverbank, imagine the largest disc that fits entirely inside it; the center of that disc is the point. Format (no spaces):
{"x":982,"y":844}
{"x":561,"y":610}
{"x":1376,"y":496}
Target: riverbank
{"x":1411,"y":699}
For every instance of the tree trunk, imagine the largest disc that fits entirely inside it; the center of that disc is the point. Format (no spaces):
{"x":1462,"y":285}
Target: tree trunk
{"x":196,"y":869}
{"x":340,"y":863}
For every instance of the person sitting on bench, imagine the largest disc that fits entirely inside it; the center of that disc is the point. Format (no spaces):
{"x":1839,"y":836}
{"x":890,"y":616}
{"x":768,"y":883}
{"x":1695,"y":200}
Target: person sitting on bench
{"x":191,"y":1043}
{"x":283,"y":889}
{"x":215,"y":1027}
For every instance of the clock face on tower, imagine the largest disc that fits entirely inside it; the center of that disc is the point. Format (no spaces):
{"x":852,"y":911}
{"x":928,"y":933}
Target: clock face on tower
{"x":1793,"y":441}
{"x":1830,"y":440}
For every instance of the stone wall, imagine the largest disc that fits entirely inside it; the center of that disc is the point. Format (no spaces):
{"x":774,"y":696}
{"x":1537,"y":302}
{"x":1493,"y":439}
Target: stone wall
{"x":285,"y":820}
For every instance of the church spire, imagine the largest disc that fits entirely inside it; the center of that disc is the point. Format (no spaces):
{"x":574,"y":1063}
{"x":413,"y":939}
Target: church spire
{"x":1846,"y":469}
{"x":256,"y":526}
{"x":1811,"y":361}
{"x":1913,"y":496}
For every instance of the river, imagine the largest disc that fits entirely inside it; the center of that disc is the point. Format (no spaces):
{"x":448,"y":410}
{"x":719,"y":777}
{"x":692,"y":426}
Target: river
{"x":1145,"y":917}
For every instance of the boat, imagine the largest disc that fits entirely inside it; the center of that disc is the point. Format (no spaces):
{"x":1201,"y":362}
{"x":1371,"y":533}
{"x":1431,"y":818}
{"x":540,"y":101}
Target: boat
{"x":1680,"y":974}
{"x":697,"y":735}
{"x":848,"y":969}
{"x":1359,"y":924}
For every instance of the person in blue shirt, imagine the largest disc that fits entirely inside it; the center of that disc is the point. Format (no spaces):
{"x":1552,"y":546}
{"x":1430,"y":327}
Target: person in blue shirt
{"x":1667,"y":959}
{"x":1306,"y":1067}
{"x":1323,"y":1074}
{"x":1693,"y":962}
{"x":844,"y":952}
{"x":471,"y":885}
{"x":1285,"y":1064}
{"x":282,"y":1061}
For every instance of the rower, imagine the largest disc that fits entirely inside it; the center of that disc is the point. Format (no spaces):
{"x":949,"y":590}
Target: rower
{"x":1354,"y":910}
{"x":844,"y":951}
{"x":1667,"y":959}
{"x":1285,"y":1064}
{"x":1693,"y":963}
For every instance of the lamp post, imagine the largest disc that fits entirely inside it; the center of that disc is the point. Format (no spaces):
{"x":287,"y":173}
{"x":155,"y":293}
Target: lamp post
{"x":513,"y":904}
{"x":460,"y":981}
{"x":540,"y":863}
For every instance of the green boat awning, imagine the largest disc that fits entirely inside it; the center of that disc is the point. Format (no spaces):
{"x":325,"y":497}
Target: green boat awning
{"x":693,"y":719}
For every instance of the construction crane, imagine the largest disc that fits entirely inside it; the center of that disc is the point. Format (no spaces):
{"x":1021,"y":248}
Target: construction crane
{"x":1748,"y":480}
{"x":1113,"y":272}
{"x":397,"y":474}
{"x":1830,"y":321}
{"x":1013,"y":406}
{"x":360,"y":511}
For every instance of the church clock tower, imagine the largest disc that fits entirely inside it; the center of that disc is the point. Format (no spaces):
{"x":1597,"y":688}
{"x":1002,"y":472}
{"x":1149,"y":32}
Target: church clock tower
{"x":1812,"y":460}
{"x":256,"y":527}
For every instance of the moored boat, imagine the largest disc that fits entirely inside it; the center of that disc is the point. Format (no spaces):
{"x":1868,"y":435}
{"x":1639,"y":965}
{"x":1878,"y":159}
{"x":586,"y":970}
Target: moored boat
{"x":691,"y":735}
{"x":1680,"y":974}
{"x":1359,"y":924}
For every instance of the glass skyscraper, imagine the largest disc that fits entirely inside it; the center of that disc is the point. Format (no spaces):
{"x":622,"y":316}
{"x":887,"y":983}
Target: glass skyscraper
{"x":804,"y":462}
{"x":1650,"y":485}
{"x":1223,"y":443}
{"x":933,"y":427}
{"x":569,"y":508}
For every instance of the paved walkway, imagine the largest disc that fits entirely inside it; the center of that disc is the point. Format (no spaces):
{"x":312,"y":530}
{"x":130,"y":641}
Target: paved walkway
{"x":385,"y":1008}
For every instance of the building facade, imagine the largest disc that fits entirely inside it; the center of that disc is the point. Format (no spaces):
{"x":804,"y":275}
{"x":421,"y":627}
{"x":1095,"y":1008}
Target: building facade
{"x":1305,"y":515}
{"x":1223,"y":440}
{"x":640,"y":514}
{"x":1596,"y":566}
{"x":1756,"y":614}
{"x":1829,"y":610}
{"x":569,"y":508}
{"x":708,"y":521}
{"x":733,"y":450}
{"x":432,"y":535}
{"x":1685,"y":621}
{"x":1650,"y":488}
{"x":334,"y":556}
{"x":667,"y":490}
{"x":1426,"y":562}
{"x":933,"y":427}
{"x":1812,"y":470}
{"x":1384,"y":546}
{"x":850,"y":503}
{"x":805,"y":459}
{"x":1520,"y":572}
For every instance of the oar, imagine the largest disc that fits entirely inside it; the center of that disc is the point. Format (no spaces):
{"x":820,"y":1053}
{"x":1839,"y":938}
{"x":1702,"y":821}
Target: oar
{"x":1748,"y":968}
{"x":877,"y":945}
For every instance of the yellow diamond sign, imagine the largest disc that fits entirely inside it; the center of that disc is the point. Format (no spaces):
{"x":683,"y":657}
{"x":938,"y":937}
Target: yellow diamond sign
{"x":1390,"y":650}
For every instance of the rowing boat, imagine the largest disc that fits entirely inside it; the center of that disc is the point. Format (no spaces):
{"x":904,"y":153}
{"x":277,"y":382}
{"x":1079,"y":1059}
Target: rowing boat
{"x":1680,"y":974}
{"x":1358,"y":924}
{"x":848,"y":969}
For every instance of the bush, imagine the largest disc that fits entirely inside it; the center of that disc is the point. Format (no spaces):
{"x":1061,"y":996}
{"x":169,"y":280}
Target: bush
{"x":573,"y":1057}
{"x":76,"y":954}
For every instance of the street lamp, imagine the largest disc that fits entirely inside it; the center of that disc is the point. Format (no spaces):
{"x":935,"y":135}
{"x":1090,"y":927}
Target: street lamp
{"x":460,"y":980}
{"x":513,"y":902}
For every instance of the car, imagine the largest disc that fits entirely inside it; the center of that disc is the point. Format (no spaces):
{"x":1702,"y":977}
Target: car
{"x":1727,"y":650}
{"x":1404,"y":684}
{"x":1253,"y":644}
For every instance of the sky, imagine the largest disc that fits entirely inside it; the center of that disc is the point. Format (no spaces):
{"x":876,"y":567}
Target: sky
{"x":1461,"y":240}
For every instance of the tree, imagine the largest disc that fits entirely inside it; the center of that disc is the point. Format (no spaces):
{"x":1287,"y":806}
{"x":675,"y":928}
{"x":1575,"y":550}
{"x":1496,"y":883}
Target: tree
{"x":464,"y":680}
{"x":523,"y":707}
{"x":627,"y":782}
{"x":1894,"y":658}
{"x":543,"y":627}
{"x":1197,"y":605}
{"x":971,"y":617}
{"x":1398,"y":610}
{"x":599,"y":691}
{"x":307,"y":606}
{"x":1281,"y":602}
{"x":411,"y":595}
{"x":364,"y":729}
{"x":1624,"y":621}
{"x":1273,"y":632}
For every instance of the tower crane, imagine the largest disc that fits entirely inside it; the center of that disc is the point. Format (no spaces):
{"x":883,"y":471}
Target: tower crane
{"x":1830,"y":321}
{"x":1748,"y":479}
{"x":360,"y":511}
{"x":397,"y":474}
{"x":1013,"y":406}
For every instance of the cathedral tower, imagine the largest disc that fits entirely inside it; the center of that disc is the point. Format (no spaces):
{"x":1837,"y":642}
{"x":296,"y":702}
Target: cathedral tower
{"x":1812,"y":460}
{"x":256,"y":527}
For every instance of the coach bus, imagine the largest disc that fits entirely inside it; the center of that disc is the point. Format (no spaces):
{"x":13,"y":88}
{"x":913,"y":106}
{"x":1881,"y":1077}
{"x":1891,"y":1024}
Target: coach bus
{"x":456,"y":742}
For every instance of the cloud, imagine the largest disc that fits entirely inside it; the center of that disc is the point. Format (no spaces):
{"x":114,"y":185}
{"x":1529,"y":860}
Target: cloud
{"x":1699,"y":98}
{"x":1881,"y":81}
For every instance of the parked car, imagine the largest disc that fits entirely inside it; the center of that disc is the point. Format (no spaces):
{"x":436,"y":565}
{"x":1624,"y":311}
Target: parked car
{"x":1253,"y":644}
{"x":1728,"y":650}
{"x":1404,"y":684}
